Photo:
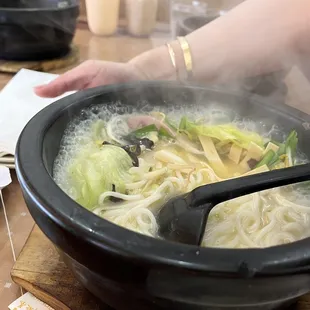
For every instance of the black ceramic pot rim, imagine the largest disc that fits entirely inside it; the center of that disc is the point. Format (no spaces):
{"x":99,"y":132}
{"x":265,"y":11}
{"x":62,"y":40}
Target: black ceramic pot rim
{"x":63,"y":211}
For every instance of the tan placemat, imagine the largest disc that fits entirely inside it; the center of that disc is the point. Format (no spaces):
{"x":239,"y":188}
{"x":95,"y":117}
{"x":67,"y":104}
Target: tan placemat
{"x":43,"y":65}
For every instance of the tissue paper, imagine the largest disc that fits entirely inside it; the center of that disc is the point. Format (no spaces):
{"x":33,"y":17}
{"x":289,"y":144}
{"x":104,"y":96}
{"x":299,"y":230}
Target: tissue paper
{"x":29,"y":302}
{"x":5,"y":177}
{"x":19,"y":103}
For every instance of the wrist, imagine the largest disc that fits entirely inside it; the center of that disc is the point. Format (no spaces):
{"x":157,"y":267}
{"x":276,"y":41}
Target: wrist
{"x":155,"y":64}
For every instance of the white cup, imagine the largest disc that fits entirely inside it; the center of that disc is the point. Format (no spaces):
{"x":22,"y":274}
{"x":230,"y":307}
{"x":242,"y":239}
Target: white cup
{"x":102,"y":16}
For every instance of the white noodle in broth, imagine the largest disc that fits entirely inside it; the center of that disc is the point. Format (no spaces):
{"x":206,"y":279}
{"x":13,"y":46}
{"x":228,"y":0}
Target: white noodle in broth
{"x":264,"y":219}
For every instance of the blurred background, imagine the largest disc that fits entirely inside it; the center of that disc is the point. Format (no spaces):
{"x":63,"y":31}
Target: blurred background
{"x":175,"y":18}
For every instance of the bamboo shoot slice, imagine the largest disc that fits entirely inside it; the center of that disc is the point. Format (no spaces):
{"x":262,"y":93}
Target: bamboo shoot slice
{"x":271,"y":146}
{"x":235,"y":153}
{"x":254,"y":152}
{"x":261,"y":169}
{"x":212,"y":155}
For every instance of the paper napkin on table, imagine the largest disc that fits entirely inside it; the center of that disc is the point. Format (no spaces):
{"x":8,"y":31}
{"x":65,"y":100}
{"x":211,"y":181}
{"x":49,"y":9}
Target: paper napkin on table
{"x":19,"y":103}
{"x":5,"y":177}
{"x":29,"y":302}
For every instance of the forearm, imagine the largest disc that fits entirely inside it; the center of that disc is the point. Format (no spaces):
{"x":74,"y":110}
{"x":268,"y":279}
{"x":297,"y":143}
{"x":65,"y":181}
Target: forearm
{"x":257,"y":37}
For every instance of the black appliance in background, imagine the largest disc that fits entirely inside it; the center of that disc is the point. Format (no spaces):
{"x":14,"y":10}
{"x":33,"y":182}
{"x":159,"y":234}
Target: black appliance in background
{"x":270,"y":85}
{"x":37,"y":29}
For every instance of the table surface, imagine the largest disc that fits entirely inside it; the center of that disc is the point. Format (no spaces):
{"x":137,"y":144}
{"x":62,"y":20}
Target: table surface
{"x":16,"y":223}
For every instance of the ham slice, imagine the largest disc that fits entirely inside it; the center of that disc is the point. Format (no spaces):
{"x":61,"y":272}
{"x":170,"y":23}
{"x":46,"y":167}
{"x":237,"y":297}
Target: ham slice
{"x":138,"y":121}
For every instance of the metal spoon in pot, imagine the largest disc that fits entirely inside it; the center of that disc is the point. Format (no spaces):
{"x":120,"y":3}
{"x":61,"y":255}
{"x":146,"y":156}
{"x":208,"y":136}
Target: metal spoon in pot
{"x":183,"y":219}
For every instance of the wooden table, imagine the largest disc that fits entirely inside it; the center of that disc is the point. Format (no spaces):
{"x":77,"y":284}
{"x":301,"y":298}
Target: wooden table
{"x":41,"y":271}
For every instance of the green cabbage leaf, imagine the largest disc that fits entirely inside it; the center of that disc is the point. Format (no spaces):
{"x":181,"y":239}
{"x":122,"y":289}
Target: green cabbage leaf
{"x":96,"y":170}
{"x":224,"y":132}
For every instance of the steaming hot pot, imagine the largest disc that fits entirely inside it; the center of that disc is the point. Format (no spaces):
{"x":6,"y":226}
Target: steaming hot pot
{"x":127,"y":270}
{"x":36,"y":29}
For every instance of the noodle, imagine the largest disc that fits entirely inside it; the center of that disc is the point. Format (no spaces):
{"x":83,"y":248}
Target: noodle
{"x":262,"y":219}
{"x":243,"y":222}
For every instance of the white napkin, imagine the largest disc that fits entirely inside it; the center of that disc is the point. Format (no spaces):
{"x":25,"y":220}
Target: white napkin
{"x":19,"y":103}
{"x":5,"y":177}
{"x":27,"y":302}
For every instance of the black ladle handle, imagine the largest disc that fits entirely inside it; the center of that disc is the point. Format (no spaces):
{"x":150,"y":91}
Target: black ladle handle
{"x":216,"y":193}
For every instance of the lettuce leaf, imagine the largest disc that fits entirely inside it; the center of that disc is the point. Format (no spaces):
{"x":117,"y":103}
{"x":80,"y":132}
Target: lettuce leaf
{"x":96,"y":170}
{"x":224,"y":132}
{"x":98,"y":131}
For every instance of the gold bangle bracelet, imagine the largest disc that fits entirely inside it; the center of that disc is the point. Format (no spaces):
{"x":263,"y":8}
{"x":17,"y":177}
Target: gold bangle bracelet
{"x":172,"y":55}
{"x":173,"y":59}
{"x":187,"y":56}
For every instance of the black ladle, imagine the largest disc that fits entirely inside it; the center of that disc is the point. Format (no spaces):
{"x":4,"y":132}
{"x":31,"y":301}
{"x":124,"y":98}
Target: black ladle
{"x":183,"y":219}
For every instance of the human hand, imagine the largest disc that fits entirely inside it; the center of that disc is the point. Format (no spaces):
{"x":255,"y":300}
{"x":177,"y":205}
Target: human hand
{"x":90,"y":74}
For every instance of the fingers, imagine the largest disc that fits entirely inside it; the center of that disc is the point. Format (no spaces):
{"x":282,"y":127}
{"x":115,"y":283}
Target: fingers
{"x":52,"y":90}
{"x":75,"y":79}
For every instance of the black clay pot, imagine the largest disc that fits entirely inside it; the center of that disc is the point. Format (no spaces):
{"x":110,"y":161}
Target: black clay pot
{"x":131,"y":271}
{"x":36,"y":29}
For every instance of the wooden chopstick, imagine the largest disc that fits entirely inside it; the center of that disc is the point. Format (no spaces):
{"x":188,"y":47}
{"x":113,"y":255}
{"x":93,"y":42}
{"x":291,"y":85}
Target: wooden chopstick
{"x":4,"y":160}
{"x":10,"y":166}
